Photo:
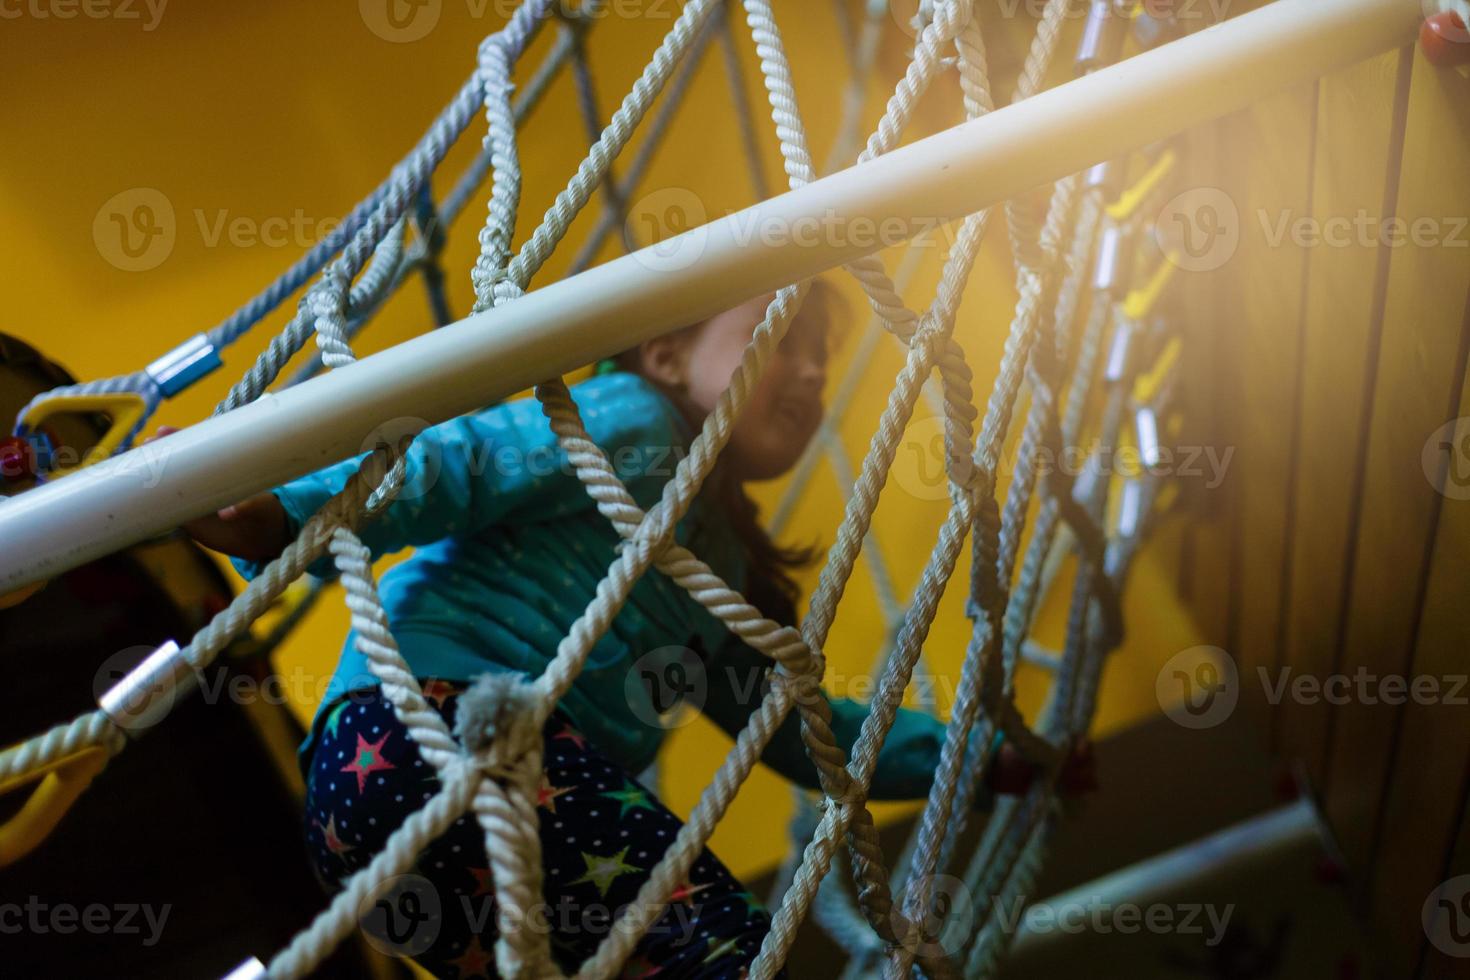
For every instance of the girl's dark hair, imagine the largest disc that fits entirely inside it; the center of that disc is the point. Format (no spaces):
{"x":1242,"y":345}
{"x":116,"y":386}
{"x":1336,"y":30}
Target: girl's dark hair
{"x":769,"y":584}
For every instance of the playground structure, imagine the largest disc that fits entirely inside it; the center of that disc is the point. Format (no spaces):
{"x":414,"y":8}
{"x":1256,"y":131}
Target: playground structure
{"x":521,"y":337}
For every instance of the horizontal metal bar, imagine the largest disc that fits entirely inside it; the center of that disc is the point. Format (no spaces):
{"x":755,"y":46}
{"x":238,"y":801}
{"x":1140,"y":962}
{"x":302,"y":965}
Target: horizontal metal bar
{"x":1180,"y":874}
{"x":463,"y":366}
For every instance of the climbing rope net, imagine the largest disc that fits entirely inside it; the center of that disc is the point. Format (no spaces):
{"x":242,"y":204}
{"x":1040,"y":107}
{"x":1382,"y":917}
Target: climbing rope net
{"x":1077,"y":340}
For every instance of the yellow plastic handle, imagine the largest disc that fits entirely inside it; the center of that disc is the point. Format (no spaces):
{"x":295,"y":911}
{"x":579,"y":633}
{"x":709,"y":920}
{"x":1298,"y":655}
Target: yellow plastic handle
{"x":1132,"y":199}
{"x":1146,"y":388}
{"x":124,"y":407}
{"x":1141,"y":301}
{"x":61,"y":783}
{"x":20,"y":595}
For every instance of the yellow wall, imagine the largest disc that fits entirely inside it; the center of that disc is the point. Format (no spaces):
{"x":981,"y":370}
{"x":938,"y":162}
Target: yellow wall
{"x":291,"y":112}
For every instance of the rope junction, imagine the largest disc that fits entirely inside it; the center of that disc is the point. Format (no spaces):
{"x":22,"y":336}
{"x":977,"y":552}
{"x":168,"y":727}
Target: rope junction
{"x":1079,"y":338}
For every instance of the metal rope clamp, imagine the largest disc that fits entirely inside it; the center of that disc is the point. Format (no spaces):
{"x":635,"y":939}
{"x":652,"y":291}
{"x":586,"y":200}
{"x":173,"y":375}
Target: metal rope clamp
{"x":184,"y":365}
{"x":251,"y":969}
{"x":1103,"y":35}
{"x":1114,"y":260}
{"x":148,"y":692}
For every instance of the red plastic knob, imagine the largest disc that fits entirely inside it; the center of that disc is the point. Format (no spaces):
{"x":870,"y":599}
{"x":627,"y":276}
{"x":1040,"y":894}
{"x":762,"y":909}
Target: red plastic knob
{"x":1445,"y":40}
{"x":17,"y":458}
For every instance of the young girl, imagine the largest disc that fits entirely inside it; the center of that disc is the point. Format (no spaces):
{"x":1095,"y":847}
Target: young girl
{"x":509,"y":551}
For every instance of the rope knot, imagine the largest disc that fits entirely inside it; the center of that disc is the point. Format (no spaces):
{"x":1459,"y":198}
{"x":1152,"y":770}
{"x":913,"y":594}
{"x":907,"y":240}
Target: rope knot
{"x":327,"y":301}
{"x":949,"y":19}
{"x":497,"y":721}
{"x":498,"y":288}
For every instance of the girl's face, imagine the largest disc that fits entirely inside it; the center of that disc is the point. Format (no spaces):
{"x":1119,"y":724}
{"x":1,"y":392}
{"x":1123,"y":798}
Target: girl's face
{"x":784,"y":409}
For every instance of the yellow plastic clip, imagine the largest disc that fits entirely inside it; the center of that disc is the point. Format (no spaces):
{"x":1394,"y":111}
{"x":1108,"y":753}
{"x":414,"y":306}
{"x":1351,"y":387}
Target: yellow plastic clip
{"x":1132,"y":199}
{"x":124,"y":407}
{"x":20,"y":595}
{"x":61,"y":783}
{"x":1148,"y":384}
{"x":1141,"y":301}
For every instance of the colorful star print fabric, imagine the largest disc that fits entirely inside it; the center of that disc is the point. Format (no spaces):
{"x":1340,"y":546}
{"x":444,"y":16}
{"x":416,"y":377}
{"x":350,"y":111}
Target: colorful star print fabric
{"x":601,"y":835}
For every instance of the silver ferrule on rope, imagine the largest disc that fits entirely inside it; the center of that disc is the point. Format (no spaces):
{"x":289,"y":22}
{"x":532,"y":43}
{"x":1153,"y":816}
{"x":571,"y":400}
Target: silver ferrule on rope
{"x":144,"y":697}
{"x":1106,"y":177}
{"x":1146,"y":429}
{"x":1102,"y":36}
{"x":1152,"y":30}
{"x":251,"y":969}
{"x":1119,"y":353}
{"x":1084,"y":487}
{"x":1113,"y":252}
{"x":184,"y":365}
{"x":1040,"y":656}
{"x":1130,"y":508}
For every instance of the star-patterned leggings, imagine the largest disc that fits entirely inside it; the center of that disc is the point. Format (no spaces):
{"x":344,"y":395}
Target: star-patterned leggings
{"x":601,"y":834}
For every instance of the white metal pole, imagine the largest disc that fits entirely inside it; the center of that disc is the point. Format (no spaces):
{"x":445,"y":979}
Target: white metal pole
{"x":1178,"y":875}
{"x":557,"y":328}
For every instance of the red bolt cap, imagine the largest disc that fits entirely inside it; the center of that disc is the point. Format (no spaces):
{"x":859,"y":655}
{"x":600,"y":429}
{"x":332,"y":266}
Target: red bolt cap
{"x":17,"y":458}
{"x":1445,"y":40}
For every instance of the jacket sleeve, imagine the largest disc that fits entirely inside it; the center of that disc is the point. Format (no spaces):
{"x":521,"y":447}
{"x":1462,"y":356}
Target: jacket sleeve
{"x":906,"y":763}
{"x":501,"y":464}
